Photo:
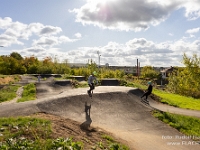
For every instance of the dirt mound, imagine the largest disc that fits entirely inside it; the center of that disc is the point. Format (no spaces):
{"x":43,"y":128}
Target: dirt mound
{"x":66,"y":128}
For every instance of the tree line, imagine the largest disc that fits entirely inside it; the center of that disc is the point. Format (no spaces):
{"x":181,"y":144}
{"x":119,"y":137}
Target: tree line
{"x":183,"y":80}
{"x":16,"y":64}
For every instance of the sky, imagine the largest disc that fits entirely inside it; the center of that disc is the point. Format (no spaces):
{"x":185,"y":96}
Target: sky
{"x":156,"y":32}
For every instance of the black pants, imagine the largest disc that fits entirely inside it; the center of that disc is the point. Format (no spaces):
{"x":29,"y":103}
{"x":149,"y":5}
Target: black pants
{"x":91,"y":87}
{"x":146,"y":94}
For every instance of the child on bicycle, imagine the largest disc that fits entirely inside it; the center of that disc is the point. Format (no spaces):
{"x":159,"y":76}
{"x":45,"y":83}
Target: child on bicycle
{"x":91,"y":80}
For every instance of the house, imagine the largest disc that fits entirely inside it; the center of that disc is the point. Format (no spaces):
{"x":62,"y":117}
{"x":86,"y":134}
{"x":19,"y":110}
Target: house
{"x":165,"y":73}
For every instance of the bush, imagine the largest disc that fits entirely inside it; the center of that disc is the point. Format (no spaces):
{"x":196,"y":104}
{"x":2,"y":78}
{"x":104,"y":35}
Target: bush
{"x":8,"y":93}
{"x":29,"y":93}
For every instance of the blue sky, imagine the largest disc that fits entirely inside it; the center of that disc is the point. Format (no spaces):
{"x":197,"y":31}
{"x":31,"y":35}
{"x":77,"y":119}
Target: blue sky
{"x":155,"y":32}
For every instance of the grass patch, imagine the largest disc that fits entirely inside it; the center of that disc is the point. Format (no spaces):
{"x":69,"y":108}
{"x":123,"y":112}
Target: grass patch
{"x":9,"y":79}
{"x":77,"y":84}
{"x":24,"y":126}
{"x":31,"y":133}
{"x":140,"y":86}
{"x":178,"y":100}
{"x":108,"y":138}
{"x":8,"y":92}
{"x":36,"y":133}
{"x":187,"y":125}
{"x":110,"y":144}
{"x":173,"y":99}
{"x":29,"y":93}
{"x":123,"y":82}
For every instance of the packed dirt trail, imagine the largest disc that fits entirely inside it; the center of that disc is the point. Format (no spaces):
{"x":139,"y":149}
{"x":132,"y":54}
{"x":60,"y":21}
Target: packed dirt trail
{"x":116,"y":109}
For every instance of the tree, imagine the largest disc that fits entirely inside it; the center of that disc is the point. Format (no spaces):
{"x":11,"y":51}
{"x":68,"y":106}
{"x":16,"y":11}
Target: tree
{"x":92,"y":66}
{"x":21,"y":68}
{"x":31,"y":64}
{"x":16,"y":56}
{"x":186,"y":81}
{"x":149,"y":72}
{"x":9,"y":65}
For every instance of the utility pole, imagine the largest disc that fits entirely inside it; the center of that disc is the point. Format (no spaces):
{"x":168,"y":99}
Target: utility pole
{"x":99,"y":58}
{"x":137,"y":69}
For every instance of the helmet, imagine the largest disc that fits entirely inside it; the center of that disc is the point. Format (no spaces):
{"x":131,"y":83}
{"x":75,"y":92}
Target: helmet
{"x":94,"y":73}
{"x":149,"y":82}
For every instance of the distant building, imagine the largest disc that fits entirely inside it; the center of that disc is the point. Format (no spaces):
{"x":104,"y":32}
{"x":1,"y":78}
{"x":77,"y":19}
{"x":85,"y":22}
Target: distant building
{"x":107,"y":64}
{"x":77,"y":65}
{"x":165,"y":73}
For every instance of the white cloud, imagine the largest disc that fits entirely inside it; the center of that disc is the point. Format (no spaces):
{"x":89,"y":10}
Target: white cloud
{"x":35,"y":28}
{"x":50,"y":30}
{"x":162,"y":54}
{"x":34,"y":50}
{"x":6,"y":40}
{"x":40,"y":52}
{"x":16,"y":31}
{"x":42,"y":30}
{"x":63,"y":39}
{"x":193,"y":31}
{"x":12,"y":32}
{"x":78,"y":35}
{"x":51,"y":41}
{"x":46,"y":41}
{"x":5,"y":23}
{"x":192,"y":9}
{"x":149,"y":53}
{"x":134,"y":15}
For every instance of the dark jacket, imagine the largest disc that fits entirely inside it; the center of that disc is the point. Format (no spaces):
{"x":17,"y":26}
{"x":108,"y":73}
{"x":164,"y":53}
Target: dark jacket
{"x":150,"y":88}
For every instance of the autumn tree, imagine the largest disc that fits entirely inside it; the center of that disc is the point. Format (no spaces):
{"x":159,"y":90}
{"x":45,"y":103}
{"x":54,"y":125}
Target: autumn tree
{"x":186,"y":81}
{"x":31,"y":64}
{"x":16,"y":64}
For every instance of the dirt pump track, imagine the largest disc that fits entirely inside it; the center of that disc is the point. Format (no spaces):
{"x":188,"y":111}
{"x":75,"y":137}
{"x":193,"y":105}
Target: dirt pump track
{"x":115,"y":109}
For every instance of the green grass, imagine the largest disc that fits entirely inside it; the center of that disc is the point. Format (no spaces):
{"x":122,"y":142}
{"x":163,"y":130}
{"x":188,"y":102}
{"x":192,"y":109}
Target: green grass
{"x":113,"y":145}
{"x":31,"y":133}
{"x":140,"y":86}
{"x":174,"y":99}
{"x":8,"y":93}
{"x":24,"y":126}
{"x":178,"y":100}
{"x":36,"y":134}
{"x":187,"y":125}
{"x":23,"y":132}
{"x":108,"y":138}
{"x":123,"y":82}
{"x":29,"y":93}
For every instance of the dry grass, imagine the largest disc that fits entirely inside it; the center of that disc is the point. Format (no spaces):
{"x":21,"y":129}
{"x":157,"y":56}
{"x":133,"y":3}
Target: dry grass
{"x":7,"y":79}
